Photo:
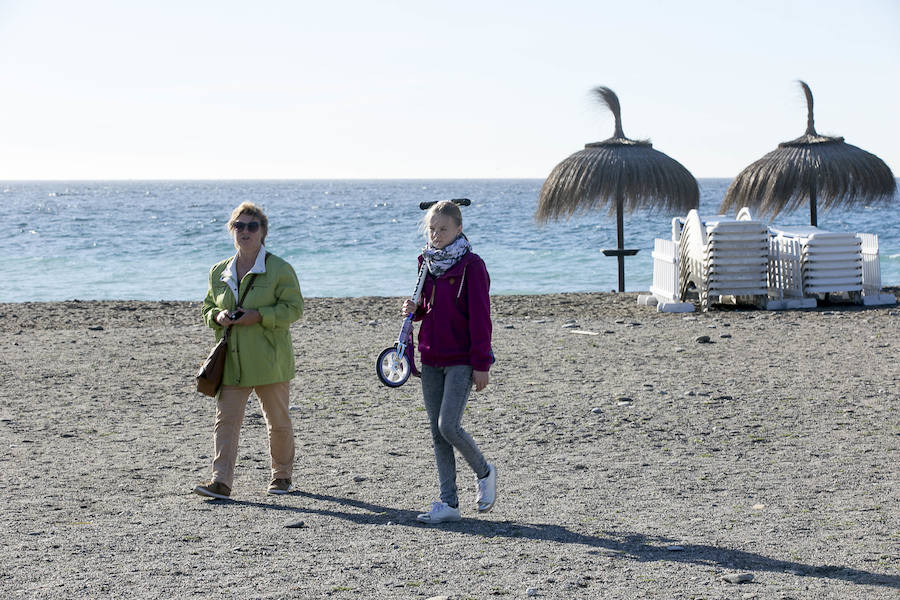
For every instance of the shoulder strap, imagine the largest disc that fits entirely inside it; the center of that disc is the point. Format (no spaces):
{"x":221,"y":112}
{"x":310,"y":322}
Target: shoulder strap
{"x":247,"y":289}
{"x":252,"y":279}
{"x":241,"y":301}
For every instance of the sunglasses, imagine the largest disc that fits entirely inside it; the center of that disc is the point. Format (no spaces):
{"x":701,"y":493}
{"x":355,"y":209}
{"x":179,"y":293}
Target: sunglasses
{"x":252,"y":226}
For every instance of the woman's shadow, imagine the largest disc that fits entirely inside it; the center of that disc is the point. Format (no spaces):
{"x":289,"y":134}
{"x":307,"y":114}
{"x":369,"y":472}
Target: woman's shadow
{"x":625,"y":545}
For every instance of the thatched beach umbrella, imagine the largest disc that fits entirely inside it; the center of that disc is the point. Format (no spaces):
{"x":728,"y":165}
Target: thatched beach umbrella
{"x":811,"y":168}
{"x":621,"y":174}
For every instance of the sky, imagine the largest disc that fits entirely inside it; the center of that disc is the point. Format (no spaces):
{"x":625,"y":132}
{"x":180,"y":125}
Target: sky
{"x":277,"y":89}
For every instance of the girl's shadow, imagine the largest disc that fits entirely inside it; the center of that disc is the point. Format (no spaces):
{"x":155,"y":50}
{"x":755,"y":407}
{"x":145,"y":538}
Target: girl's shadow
{"x":625,"y":545}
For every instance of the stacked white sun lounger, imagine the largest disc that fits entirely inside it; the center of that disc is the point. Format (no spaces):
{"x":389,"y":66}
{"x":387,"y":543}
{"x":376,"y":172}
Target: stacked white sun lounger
{"x":723,"y":256}
{"x":773,"y":267}
{"x":871,"y":265}
{"x":829,"y":261}
{"x":806,"y":262}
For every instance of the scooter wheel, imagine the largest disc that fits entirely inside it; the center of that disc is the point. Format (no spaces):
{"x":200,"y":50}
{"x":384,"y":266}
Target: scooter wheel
{"x":393,"y":370}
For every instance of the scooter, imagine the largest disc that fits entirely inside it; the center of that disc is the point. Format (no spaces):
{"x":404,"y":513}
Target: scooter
{"x":397,"y":363}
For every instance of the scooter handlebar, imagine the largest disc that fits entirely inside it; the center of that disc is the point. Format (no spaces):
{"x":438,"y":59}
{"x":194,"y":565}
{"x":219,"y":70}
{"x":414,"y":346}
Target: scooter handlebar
{"x":456,"y":201}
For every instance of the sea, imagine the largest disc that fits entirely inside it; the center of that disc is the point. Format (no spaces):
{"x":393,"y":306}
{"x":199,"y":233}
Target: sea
{"x":155,"y":240}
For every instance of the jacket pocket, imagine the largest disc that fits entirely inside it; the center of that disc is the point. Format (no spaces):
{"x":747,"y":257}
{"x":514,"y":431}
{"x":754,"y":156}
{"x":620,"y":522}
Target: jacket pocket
{"x":273,"y":343}
{"x":260,"y":294}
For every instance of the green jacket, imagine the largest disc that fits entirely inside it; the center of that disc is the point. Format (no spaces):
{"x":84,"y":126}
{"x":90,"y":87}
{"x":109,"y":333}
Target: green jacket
{"x":262,"y":353}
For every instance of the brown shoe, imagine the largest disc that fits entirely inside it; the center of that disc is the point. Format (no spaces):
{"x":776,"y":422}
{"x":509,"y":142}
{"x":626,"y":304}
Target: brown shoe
{"x":280,"y":486}
{"x":214,"y":489}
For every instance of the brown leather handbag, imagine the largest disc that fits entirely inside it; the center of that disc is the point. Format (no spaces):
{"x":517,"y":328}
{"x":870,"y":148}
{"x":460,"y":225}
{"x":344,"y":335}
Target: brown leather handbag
{"x":209,"y":378}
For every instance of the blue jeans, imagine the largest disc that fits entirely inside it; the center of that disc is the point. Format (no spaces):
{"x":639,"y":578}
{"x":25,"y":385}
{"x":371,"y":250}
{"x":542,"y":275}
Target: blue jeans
{"x":446,"y":391}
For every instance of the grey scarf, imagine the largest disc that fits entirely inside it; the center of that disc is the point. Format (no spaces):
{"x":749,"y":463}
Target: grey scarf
{"x":439,"y":260}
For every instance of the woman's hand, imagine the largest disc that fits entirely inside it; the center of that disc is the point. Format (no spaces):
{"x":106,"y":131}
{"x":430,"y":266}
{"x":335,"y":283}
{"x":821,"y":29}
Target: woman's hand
{"x":250,"y":316}
{"x":409,"y":307}
{"x":481,"y":379}
{"x":247,"y":317}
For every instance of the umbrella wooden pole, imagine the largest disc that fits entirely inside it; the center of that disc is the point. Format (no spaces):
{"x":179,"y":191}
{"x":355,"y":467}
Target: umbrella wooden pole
{"x":620,"y":252}
{"x":620,"y":240}
{"x":813,"y":217}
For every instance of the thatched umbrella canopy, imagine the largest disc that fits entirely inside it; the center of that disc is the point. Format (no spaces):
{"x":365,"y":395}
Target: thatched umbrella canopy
{"x":811,"y":168}
{"x":621,"y":174}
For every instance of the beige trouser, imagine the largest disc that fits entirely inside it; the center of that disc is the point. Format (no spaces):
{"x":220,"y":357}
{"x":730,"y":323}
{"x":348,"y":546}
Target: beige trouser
{"x":274,"y":399}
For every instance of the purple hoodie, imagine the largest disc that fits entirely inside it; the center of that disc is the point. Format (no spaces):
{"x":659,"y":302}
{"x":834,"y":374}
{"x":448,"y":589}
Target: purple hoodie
{"x":456,"y":323}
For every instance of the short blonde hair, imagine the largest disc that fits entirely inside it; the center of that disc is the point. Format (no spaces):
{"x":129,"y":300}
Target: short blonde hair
{"x":248,"y":208}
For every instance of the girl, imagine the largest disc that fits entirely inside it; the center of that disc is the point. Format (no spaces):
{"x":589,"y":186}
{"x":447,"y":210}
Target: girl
{"x":455,"y":348}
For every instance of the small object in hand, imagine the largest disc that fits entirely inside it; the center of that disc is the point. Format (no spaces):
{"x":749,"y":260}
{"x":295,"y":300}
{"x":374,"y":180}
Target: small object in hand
{"x":236,"y":315}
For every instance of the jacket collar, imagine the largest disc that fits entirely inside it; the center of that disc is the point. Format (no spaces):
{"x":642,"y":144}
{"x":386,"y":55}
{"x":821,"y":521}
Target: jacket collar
{"x":229,"y":275}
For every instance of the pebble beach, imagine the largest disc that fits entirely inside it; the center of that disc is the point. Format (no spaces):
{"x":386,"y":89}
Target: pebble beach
{"x":727,"y":454}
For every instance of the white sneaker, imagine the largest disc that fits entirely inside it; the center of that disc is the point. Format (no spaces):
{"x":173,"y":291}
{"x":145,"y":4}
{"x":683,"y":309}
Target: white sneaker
{"x":439,"y":513}
{"x":487,"y":490}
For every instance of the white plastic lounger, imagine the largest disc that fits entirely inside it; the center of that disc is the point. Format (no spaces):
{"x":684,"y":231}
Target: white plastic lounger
{"x":830,"y":262}
{"x":722,"y":256}
{"x":778,"y":267}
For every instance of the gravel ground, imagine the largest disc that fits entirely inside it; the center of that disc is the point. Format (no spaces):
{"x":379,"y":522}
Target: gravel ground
{"x":634,"y":460}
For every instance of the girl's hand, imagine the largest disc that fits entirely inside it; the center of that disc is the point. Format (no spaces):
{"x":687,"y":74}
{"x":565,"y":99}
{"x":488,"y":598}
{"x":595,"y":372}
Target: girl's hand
{"x":481,"y":379}
{"x":409,"y":307}
{"x":223,"y":318}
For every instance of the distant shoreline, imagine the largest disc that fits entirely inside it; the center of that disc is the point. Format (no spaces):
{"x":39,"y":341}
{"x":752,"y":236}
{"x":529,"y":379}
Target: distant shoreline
{"x":76,"y":314}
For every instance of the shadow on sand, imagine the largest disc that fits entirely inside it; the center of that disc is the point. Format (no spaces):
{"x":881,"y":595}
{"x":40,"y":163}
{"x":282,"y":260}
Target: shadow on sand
{"x":632,"y":546}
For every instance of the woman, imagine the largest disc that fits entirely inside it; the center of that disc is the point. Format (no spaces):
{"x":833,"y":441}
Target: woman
{"x":260,"y":354}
